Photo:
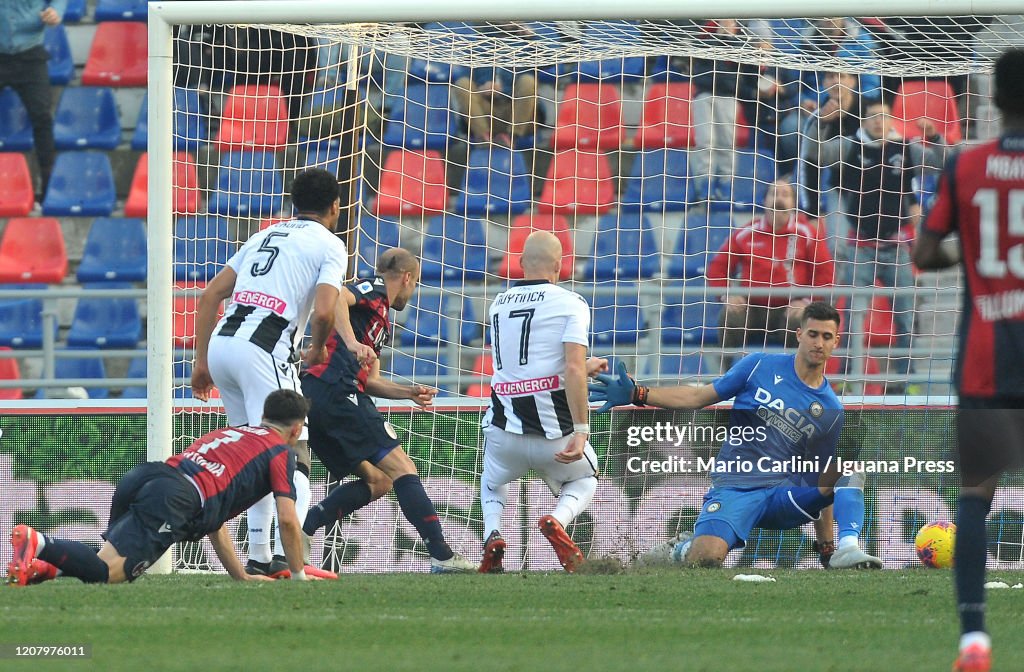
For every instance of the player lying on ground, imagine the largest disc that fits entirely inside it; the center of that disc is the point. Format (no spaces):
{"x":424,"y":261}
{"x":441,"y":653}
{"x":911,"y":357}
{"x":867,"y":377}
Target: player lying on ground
{"x":187,"y":497}
{"x":786,"y":405}
{"x":981,"y":197}
{"x":538,"y":417}
{"x":346,"y":430}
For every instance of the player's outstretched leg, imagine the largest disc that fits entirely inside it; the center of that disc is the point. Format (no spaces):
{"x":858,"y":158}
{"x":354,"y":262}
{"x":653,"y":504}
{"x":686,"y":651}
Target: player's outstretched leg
{"x":348,"y":498}
{"x":573,"y":499}
{"x":37,"y":558}
{"x":848,"y":509}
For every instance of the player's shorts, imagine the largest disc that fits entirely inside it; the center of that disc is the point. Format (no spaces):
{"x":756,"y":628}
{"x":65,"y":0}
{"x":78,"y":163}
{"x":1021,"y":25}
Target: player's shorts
{"x":154,"y":506}
{"x":991,"y":437}
{"x":731,"y":513}
{"x":345,"y":427}
{"x":508,"y":456}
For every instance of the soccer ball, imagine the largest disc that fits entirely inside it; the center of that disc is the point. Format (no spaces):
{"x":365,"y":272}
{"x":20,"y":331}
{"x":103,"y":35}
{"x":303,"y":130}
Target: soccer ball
{"x":934,"y":543}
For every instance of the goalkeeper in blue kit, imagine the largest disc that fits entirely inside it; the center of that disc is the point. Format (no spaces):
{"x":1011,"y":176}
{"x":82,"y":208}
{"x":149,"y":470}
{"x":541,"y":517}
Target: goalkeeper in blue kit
{"x":777,"y":468}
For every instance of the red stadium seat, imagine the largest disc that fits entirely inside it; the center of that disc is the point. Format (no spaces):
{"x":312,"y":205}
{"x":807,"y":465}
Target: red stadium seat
{"x":118,"y":55}
{"x":479,"y":390}
{"x":267,"y":223}
{"x":255,"y":117}
{"x":16,"y":193}
{"x":9,"y":371}
{"x":483,"y":365}
{"x":932,"y":100}
{"x":578,"y":183}
{"x":32,"y":250}
{"x":666,"y":120}
{"x":522,"y":227}
{"x":879,"y":330}
{"x":186,"y":187}
{"x":589,"y":117}
{"x":185,"y":310}
{"x":412,"y":182}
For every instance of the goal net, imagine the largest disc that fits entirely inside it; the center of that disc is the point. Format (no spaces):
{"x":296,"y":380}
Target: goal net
{"x":706,"y":179}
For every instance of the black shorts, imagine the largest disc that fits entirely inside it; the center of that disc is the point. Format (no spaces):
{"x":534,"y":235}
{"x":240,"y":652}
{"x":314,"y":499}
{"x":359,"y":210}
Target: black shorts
{"x":154,"y":506}
{"x":991,"y":437}
{"x":345,"y":427}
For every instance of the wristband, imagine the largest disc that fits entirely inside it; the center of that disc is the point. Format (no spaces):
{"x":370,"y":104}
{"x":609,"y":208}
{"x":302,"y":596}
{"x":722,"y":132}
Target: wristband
{"x":299,"y":575}
{"x":640,"y":395}
{"x":581,"y":428}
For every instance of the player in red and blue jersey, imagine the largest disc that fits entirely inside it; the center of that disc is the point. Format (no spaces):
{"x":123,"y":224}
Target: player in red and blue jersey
{"x":777,"y":469}
{"x":189,"y":496}
{"x":981,"y":198}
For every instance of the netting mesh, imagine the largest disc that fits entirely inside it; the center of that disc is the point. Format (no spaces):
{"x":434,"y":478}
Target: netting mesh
{"x":705,"y":178}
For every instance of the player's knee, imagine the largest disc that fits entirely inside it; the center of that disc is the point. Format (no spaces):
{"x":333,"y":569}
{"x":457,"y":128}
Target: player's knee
{"x":380,"y":486}
{"x":706,"y":551}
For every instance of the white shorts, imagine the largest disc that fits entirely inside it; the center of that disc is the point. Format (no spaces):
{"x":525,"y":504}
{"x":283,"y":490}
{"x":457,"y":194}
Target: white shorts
{"x":509,"y":456}
{"x":245,"y":374}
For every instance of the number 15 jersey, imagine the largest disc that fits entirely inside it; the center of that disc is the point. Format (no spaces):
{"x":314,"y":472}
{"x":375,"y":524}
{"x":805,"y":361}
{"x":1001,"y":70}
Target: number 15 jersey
{"x":278,"y":270}
{"x":530,"y":325}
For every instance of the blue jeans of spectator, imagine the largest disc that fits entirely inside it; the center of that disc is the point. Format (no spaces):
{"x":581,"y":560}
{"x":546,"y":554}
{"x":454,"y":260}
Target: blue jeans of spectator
{"x":26,"y":73}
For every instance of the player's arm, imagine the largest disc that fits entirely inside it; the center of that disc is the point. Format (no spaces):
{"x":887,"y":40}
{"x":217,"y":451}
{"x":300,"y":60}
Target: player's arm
{"x":377,"y":386}
{"x":291,"y":536}
{"x":343,"y":325}
{"x":225,"y":550}
{"x":213,"y":295}
{"x":929,"y":253}
{"x":321,"y":323}
{"x":622,"y":390}
{"x":576,"y":395}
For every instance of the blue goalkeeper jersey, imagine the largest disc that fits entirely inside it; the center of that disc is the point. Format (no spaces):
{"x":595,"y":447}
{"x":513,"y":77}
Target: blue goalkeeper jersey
{"x":780,"y":429}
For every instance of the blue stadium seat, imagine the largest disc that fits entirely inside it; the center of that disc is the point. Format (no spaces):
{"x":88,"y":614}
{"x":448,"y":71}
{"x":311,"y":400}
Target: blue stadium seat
{"x":420,"y":70}
{"x":140,"y":137}
{"x":424,"y":324}
{"x":691,"y":320}
{"x":136,"y":369}
{"x":375,"y":236}
{"x":182,"y":374}
{"x":21,"y":320}
{"x":90,"y":367}
{"x":326,"y":157}
{"x":106,"y":323}
{"x":115,"y":250}
{"x":190,"y":121}
{"x":670,"y":366}
{"x":82,"y":185}
{"x":454,"y":248}
{"x":248,"y":185}
{"x":15,"y":128}
{"x":75,"y":11}
{"x":422,"y":119}
{"x":122,"y":10}
{"x":659,"y":182}
{"x":747,"y":187}
{"x":616,"y":316}
{"x":201,"y":247}
{"x":624,"y":249}
{"x":704,"y":233}
{"x":87,"y":118}
{"x":420,"y":367}
{"x":61,"y":66}
{"x":497,"y":182}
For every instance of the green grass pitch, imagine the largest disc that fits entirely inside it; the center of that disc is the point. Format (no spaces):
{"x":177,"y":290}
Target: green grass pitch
{"x":657,"y":620}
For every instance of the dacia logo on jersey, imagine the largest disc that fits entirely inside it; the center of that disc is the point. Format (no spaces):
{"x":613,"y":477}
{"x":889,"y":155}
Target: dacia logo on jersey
{"x":795,"y":423}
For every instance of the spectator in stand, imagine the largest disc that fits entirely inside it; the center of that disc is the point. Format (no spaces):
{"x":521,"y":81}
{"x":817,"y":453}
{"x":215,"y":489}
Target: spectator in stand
{"x":877,"y":173}
{"x":23,"y":68}
{"x":780,"y":248}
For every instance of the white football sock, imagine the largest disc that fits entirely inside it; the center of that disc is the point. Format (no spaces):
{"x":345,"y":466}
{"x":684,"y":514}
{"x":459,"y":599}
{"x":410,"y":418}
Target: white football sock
{"x":977,"y":637}
{"x":302,"y":497}
{"x":849,"y":540}
{"x":492,"y":501}
{"x":261,"y":517}
{"x":574,"y":499}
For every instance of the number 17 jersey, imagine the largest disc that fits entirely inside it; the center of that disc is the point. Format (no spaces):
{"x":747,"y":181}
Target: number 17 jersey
{"x":530,"y":324}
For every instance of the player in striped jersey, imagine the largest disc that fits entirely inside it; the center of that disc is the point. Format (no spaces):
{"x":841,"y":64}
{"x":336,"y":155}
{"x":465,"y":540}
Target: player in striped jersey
{"x":272,"y":281}
{"x":538,"y":416}
{"x":187,"y":497}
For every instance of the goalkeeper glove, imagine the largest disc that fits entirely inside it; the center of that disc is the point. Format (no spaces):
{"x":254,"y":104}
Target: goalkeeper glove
{"x":825,"y":550}
{"x":617,"y":390}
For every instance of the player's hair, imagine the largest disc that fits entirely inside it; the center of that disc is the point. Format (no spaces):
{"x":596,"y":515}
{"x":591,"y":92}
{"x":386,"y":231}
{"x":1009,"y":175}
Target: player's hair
{"x":315,"y":191}
{"x":285,"y":407}
{"x":819,"y":310}
{"x":397,"y":260}
{"x":1009,"y":82}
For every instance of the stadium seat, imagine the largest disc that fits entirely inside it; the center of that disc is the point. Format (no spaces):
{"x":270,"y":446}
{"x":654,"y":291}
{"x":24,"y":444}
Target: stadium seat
{"x":666,"y":120}
{"x":9,"y":371}
{"x":32,"y":250}
{"x":105,"y":323}
{"x":202,"y":246}
{"x":375,"y":236}
{"x":75,"y":11}
{"x":454,"y":248}
{"x":659,"y":182}
{"x":17,"y":195}
{"x":624,"y":249}
{"x":746,"y":188}
{"x":420,"y":70}
{"x":255,"y":117}
{"x":589,"y":118}
{"x":701,"y":239}
{"x":497,"y":182}
{"x":185,"y":195}
{"x":692,"y":319}
{"x":522,"y":226}
{"x":15,"y":128}
{"x":82,"y":185}
{"x":577,"y":183}
{"x":421,"y":119}
{"x":677,"y":366}
{"x":326,"y":157}
{"x":21,"y":320}
{"x":412,"y":182}
{"x":117,"y":56}
{"x":248,"y":185}
{"x":422,"y":324}
{"x":136,"y":369}
{"x":87,"y":118}
{"x":478,"y":390}
{"x":616,"y":316}
{"x":186,"y":307}
{"x":78,"y":367}
{"x":932,"y":100}
{"x":115,"y":250}
{"x":190,"y":122}
{"x":122,"y":10}
{"x":879,"y":328}
{"x":140,"y":136}
{"x":422,"y":367}
{"x":60,"y":65}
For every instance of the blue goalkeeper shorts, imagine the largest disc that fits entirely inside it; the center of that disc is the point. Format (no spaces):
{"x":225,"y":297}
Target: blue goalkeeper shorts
{"x":731,"y":513}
